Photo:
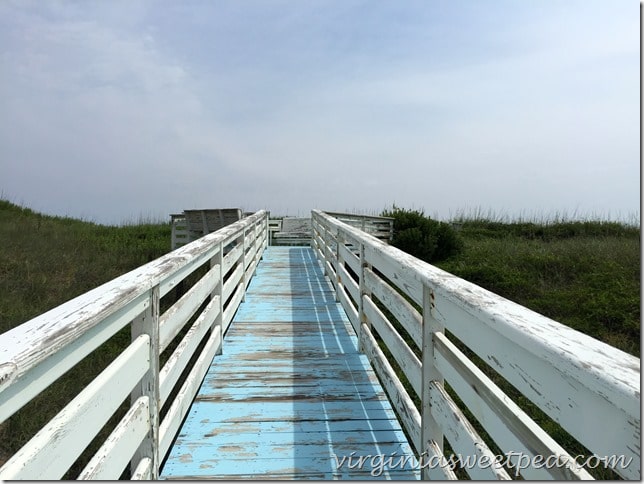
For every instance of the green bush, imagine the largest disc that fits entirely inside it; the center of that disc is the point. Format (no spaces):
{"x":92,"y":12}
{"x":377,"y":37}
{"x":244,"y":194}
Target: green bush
{"x":423,"y":237}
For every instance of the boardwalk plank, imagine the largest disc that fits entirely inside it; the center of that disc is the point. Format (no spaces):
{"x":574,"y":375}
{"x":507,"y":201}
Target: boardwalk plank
{"x":291,"y":396}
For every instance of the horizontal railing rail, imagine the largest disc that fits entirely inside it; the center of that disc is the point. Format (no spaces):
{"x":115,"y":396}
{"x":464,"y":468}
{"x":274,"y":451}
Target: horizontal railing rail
{"x":432,"y":337}
{"x":214,"y":272}
{"x":380,"y":227}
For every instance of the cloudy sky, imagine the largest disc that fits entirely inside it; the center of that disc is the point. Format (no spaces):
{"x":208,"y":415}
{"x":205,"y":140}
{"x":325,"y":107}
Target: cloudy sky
{"x":112,"y":110}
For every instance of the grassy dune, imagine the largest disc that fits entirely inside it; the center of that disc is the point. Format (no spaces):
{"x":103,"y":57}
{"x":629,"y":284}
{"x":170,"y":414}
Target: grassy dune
{"x":45,"y":261}
{"x":583,"y":274}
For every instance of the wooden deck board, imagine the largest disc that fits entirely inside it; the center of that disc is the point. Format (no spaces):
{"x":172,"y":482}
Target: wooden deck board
{"x":291,"y":395}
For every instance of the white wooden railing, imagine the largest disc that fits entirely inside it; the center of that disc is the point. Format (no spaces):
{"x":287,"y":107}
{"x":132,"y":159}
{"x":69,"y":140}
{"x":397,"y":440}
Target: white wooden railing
{"x":37,"y":353}
{"x":297,"y":231}
{"x":589,"y":388}
{"x":193,"y":224}
{"x":426,"y":318}
{"x":380,"y":227}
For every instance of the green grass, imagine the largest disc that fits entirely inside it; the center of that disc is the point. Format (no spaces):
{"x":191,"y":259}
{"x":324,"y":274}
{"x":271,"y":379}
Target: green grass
{"x":46,"y":261}
{"x":582,"y":274}
{"x":585,"y":275}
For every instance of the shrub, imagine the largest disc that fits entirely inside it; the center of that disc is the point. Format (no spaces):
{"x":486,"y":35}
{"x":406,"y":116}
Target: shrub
{"x":423,"y":237}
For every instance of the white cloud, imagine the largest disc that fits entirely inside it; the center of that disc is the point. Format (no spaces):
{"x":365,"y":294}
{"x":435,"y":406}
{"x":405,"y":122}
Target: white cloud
{"x":99,"y":111}
{"x":120,"y":107}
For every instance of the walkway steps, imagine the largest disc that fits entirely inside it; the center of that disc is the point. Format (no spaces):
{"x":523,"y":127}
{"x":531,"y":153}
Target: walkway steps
{"x":291,"y":396}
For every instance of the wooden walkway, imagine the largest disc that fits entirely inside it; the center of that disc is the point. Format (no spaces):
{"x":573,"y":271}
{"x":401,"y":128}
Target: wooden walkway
{"x":291,"y":397}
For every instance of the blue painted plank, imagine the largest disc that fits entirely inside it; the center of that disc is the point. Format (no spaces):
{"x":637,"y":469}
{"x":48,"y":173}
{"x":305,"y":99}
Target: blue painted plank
{"x":291,"y":394}
{"x":336,"y":427}
{"x":229,"y":365}
{"x":263,"y":456}
{"x":288,"y":410}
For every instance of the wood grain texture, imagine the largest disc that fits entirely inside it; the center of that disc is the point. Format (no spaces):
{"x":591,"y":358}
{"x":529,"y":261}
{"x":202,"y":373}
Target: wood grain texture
{"x":290,"y":396}
{"x":572,"y":377}
{"x":40,"y":350}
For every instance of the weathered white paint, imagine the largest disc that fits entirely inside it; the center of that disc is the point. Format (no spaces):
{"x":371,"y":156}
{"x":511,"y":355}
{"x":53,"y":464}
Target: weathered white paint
{"x":380,"y":227}
{"x":181,"y":404}
{"x":350,"y":258}
{"x":229,"y":312}
{"x":506,"y":423}
{"x":348,"y":283}
{"x":365,"y":322}
{"x":35,"y":354}
{"x":176,"y":316}
{"x":110,"y":460}
{"x":29,"y":344}
{"x":463,"y":438}
{"x":350,"y":309}
{"x":22,"y":384}
{"x":57,"y":445}
{"x":431,"y":429}
{"x":443,"y":472}
{"x":404,"y":312}
{"x":231,"y":258}
{"x":147,"y":325}
{"x":173,"y":368}
{"x":218,"y":324}
{"x":400,"y":399}
{"x":404,"y":356}
{"x":556,"y":391}
{"x":143,"y":471}
{"x":233,"y":281}
{"x":572,"y":377}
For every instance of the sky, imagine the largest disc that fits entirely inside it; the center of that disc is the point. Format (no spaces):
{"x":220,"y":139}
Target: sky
{"x":114,"y":111}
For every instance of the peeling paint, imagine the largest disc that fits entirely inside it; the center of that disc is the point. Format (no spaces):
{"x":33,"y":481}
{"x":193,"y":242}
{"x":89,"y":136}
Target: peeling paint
{"x":290,"y":388}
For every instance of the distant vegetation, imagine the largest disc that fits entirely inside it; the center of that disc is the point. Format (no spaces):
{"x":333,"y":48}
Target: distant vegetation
{"x":583,"y":274}
{"x":422,"y":236}
{"x":45,"y":261}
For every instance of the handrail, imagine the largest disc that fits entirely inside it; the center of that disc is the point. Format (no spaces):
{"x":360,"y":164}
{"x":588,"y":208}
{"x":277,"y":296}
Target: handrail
{"x":36,"y":353}
{"x":588,"y":387}
{"x":378,"y":226}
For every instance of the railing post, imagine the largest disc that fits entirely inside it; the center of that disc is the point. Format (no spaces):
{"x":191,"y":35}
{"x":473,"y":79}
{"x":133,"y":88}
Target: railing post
{"x":325,"y":250}
{"x":148,"y":323}
{"x":363,"y":292}
{"x":316,"y":233}
{"x":219,"y":320}
{"x":243,"y":261}
{"x":430,"y":430}
{"x":267,"y":240}
{"x":338,"y":259}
